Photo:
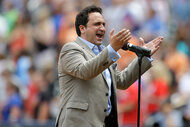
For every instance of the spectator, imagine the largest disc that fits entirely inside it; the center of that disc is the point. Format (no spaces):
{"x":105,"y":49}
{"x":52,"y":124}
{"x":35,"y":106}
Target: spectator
{"x":13,"y":108}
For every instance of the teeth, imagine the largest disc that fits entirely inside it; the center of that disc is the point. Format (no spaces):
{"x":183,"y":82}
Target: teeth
{"x":99,"y":35}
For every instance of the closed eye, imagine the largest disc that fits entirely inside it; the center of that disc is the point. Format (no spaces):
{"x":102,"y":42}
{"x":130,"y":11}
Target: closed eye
{"x":100,"y":23}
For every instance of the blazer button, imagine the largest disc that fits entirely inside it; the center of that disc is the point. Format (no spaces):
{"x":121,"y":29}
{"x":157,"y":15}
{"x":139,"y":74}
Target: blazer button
{"x":107,"y":94}
{"x":105,"y":110}
{"x":105,"y":63}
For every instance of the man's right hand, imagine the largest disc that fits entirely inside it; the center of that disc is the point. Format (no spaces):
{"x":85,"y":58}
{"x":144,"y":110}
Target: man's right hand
{"x":119,"y":39}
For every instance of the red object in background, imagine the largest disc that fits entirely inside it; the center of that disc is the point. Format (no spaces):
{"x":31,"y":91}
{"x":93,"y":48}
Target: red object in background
{"x":160,"y":93}
{"x":128,"y":97}
{"x":32,"y":99}
{"x":18,"y":44}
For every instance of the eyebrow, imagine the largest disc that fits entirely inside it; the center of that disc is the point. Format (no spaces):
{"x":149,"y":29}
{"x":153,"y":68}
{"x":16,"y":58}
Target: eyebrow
{"x":97,"y":23}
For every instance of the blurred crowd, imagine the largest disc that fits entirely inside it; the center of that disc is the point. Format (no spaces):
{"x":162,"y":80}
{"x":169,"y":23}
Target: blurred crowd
{"x":33,"y":31}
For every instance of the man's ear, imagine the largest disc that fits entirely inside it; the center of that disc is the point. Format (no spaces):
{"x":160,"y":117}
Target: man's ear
{"x":82,"y":29}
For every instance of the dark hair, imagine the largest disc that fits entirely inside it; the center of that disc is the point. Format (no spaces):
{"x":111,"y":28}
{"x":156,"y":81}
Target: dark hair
{"x":82,"y":16}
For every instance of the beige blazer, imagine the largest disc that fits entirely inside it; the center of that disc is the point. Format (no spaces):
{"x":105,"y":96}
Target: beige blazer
{"x":83,"y":88}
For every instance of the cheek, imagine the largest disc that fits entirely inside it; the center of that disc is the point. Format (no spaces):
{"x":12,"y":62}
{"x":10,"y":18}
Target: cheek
{"x":91,"y":33}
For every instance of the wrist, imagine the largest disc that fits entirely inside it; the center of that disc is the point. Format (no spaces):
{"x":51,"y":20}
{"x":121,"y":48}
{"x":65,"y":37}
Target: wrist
{"x":116,"y":48}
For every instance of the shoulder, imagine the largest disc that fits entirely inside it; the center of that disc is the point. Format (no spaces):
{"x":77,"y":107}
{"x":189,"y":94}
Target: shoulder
{"x":70,"y":46}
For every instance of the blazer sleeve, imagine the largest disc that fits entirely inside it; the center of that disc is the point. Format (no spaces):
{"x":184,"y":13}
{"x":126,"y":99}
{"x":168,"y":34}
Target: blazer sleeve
{"x":130,"y":74}
{"x":77,"y":62}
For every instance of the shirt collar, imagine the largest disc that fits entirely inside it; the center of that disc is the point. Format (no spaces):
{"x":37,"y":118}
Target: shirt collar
{"x":90,"y":45}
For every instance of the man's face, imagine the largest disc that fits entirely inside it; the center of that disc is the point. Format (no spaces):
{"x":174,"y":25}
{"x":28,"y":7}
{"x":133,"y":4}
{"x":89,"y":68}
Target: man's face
{"x":95,"y":29}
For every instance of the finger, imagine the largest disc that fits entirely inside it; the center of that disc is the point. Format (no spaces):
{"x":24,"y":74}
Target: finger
{"x":161,"y":37}
{"x":127,"y":40}
{"x":111,"y":33}
{"x":153,"y":51}
{"x":157,"y":42}
{"x":141,"y":41}
{"x":158,"y":38}
{"x":125,"y":36}
{"x":121,"y":33}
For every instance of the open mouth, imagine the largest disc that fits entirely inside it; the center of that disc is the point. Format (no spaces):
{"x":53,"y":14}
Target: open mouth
{"x":99,"y":36}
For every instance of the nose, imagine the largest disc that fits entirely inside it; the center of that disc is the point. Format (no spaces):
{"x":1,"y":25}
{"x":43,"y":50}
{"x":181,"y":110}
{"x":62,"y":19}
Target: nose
{"x":102,"y":27}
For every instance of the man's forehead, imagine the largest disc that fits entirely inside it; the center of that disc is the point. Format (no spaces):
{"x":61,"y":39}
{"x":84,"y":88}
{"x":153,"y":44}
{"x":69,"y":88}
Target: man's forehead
{"x":95,"y":16}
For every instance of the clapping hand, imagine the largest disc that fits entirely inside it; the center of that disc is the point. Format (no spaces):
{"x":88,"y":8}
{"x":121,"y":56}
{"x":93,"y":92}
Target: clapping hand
{"x":152,"y":45}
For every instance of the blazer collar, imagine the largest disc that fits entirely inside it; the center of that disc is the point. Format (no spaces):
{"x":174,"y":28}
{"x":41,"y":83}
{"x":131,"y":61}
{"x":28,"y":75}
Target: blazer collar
{"x":84,"y":46}
{"x":87,"y":48}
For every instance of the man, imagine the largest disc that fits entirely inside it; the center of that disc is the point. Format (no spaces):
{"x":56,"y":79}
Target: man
{"x":88,"y":81}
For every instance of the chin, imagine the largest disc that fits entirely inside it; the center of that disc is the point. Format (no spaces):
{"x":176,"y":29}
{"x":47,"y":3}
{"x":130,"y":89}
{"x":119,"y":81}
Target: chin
{"x":98,"y":42}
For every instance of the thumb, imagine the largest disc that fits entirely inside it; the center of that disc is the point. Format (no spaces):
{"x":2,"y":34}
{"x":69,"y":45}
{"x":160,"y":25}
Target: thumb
{"x":141,"y":41}
{"x":111,"y":33}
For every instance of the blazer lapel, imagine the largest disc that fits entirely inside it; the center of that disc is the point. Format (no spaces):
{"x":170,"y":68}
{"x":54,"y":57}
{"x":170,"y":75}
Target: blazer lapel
{"x":85,"y":47}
